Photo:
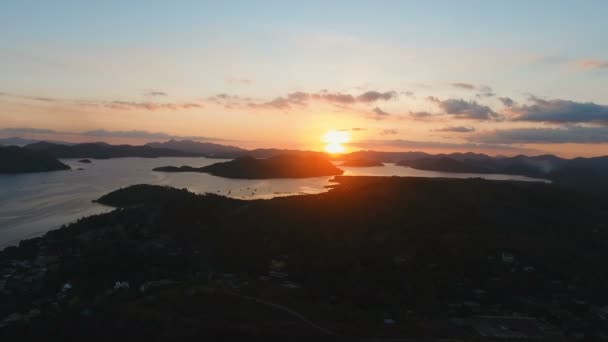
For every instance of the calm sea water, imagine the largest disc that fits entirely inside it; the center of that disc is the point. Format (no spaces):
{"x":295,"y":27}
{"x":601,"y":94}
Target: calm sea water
{"x":31,"y":204}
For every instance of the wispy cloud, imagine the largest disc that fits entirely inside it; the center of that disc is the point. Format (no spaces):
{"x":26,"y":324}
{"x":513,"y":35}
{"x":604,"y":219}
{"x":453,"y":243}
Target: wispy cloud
{"x":593,"y":64}
{"x":146,"y":105}
{"x":155,"y":93}
{"x":456,"y":129}
{"x":378,"y":114}
{"x":355,"y":129}
{"x":389,"y":132}
{"x":484,"y":90}
{"x":301,"y":98}
{"x":101,"y":133}
{"x":421,"y":145}
{"x":572,"y":134}
{"x":241,"y":81}
{"x":467,"y":86}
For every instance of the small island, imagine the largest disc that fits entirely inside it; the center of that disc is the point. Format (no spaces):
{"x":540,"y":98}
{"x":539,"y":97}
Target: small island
{"x":15,"y":159}
{"x":85,"y":161}
{"x":361,"y":162}
{"x":282,"y":166}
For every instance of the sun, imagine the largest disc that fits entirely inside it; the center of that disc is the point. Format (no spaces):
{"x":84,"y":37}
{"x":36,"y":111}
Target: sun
{"x":334,"y":140}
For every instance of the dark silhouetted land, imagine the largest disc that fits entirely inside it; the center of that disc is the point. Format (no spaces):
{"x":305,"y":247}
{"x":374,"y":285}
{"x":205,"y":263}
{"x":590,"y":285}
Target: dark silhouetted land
{"x":361,"y":162}
{"x":282,"y":166}
{"x":15,"y":159}
{"x":375,"y":257}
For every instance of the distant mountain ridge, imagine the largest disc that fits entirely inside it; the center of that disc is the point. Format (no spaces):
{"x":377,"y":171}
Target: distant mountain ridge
{"x":105,"y":151}
{"x":17,"y":141}
{"x":196,"y":147}
{"x":589,"y":174}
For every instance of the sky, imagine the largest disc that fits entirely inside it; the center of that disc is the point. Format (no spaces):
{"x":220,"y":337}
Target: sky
{"x":506,"y":77}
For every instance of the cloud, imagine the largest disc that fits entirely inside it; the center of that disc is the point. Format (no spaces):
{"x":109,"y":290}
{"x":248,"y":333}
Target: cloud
{"x":409,"y":144}
{"x":559,"y":111}
{"x":389,"y":132}
{"x":18,"y":131}
{"x":456,"y":129}
{"x":355,"y":129}
{"x":372,"y":96}
{"x":152,"y":106}
{"x":101,"y":133}
{"x":140,"y":135}
{"x":378,"y":114}
{"x":243,"y":81}
{"x":593,"y":64}
{"x":300,"y":98}
{"x":507,"y":101}
{"x":155,"y":93}
{"x":433,"y":99}
{"x":460,"y":85}
{"x":484,"y":90}
{"x":421,"y":116}
{"x":462,"y":109}
{"x":572,"y":134}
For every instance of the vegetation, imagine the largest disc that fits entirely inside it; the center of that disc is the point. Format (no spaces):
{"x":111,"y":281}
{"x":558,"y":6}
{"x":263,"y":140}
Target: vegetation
{"x":15,"y":159}
{"x":422,"y":253}
{"x":282,"y":166}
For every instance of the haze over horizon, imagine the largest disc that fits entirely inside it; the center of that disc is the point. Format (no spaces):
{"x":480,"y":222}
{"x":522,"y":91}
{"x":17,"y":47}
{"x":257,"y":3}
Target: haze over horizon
{"x":397,"y":76}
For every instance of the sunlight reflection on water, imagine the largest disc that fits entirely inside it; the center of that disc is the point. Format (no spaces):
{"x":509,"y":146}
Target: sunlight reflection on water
{"x":31,"y":204}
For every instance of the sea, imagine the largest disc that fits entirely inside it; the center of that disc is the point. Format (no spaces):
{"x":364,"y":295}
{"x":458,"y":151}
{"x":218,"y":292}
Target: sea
{"x":32,"y":204}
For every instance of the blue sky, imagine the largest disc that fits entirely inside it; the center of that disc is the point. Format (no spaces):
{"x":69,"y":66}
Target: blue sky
{"x":259,"y":51}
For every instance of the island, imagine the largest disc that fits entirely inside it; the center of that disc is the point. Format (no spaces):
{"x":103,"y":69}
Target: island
{"x":281,"y":166}
{"x":15,"y":159}
{"x":374,"y":258}
{"x":85,"y":161}
{"x":361,"y":162}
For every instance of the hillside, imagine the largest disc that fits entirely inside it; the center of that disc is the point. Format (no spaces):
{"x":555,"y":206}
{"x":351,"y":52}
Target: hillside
{"x":201,"y":148}
{"x":104,"y":151}
{"x":15,"y":159}
{"x":438,"y":257}
{"x":281,"y":166}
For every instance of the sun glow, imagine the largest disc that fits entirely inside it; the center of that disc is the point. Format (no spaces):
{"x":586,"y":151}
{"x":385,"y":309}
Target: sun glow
{"x":334,"y":140}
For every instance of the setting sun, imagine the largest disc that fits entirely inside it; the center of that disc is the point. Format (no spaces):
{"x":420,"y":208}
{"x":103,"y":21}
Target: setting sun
{"x":334,"y":140}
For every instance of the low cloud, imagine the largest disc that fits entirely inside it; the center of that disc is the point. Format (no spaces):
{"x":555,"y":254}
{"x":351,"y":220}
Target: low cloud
{"x":243,"y":81}
{"x":152,"y":106}
{"x":19,"y":131}
{"x":101,"y":133}
{"x":559,"y":111}
{"x":484,"y":90}
{"x":421,"y":116}
{"x":373,"y":96}
{"x":593,"y":64}
{"x":301,"y":98}
{"x":573,"y":134}
{"x":421,"y":145}
{"x":507,"y":101}
{"x":355,"y":129}
{"x":389,"y":132}
{"x":379,"y":114}
{"x":456,"y":129}
{"x":155,"y":93}
{"x":462,"y":109}
{"x":460,"y":85}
